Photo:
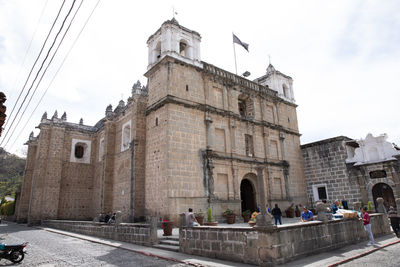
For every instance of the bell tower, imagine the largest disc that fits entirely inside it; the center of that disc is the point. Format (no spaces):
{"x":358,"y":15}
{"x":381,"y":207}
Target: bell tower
{"x":176,"y":41}
{"x":279,"y":82}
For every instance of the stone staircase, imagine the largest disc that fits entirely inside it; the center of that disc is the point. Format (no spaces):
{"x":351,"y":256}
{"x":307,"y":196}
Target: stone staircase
{"x":170,"y":243}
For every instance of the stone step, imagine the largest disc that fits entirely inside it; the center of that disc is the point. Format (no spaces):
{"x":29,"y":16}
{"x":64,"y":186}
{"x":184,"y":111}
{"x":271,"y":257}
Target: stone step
{"x":169,"y":242}
{"x":167,"y":247}
{"x":171,"y":237}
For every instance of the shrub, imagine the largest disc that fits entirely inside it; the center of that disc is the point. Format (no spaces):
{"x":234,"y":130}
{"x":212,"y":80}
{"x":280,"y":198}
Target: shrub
{"x":369,"y":206}
{"x":228,"y":212}
{"x":209,"y":215}
{"x":199,"y":213}
{"x":246,"y":212}
{"x":7,"y":208}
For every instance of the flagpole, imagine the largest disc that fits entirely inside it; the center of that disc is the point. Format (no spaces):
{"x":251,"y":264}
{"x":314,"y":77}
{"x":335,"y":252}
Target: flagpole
{"x":234,"y":53}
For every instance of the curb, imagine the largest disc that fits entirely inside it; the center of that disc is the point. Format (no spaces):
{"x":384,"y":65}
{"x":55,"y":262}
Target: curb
{"x":121,"y":247}
{"x":362,"y":254}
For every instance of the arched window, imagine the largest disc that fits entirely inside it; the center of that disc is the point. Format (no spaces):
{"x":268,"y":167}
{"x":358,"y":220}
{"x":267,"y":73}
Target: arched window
{"x":79,"y":150}
{"x":245,"y":106}
{"x":157,"y":51}
{"x":286,"y":92}
{"x":126,"y":136}
{"x":183,"y":48}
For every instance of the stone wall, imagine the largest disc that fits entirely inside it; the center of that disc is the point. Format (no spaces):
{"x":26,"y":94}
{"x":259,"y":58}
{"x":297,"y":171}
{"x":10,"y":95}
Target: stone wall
{"x":22,"y":204}
{"x":279,"y":245}
{"x":142,"y":234}
{"x":325,"y":165}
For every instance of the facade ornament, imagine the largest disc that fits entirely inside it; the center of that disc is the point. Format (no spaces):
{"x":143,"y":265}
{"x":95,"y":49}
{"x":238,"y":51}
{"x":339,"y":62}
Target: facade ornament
{"x":209,"y":172}
{"x":31,"y":136}
{"x":55,"y":116}
{"x":136,"y":88}
{"x":64,"y":116}
{"x":81,"y":121}
{"x":44,"y":116}
{"x":109,"y":112}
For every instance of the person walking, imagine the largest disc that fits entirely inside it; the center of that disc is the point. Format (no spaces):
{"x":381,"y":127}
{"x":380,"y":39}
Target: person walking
{"x":366,"y":219}
{"x":277,"y":213}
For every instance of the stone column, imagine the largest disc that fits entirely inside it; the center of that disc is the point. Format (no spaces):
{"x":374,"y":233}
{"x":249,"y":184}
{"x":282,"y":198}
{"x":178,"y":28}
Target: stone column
{"x":118,"y":218}
{"x":209,"y":136}
{"x":153,"y":230}
{"x":263,"y":220}
{"x":398,"y":206}
{"x":282,"y":137}
{"x":232,"y":135}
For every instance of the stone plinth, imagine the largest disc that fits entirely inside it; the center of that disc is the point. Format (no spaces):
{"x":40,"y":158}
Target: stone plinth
{"x":380,"y":207}
{"x":321,"y":209}
{"x":357,"y":206}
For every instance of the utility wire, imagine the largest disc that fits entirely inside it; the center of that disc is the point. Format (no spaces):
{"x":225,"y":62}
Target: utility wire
{"x":37,"y":58}
{"x":62,"y":63}
{"x":43,"y":73}
{"x":27,"y":50}
{"x":37,"y":73}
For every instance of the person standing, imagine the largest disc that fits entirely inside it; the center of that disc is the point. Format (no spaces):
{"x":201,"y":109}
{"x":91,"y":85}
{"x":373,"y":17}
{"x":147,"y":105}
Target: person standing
{"x":394,"y":221}
{"x":277,"y":213}
{"x":366,"y":219}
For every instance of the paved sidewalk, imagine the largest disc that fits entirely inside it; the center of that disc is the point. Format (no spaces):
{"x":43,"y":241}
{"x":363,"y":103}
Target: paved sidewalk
{"x":154,"y":252}
{"x":335,"y":257}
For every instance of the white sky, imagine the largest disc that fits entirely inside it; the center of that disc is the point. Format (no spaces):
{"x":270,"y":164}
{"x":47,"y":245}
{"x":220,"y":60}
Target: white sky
{"x":344,"y":57}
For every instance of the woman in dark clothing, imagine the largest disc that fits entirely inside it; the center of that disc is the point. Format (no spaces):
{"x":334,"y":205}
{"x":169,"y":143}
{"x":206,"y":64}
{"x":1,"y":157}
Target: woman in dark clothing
{"x":394,"y":221}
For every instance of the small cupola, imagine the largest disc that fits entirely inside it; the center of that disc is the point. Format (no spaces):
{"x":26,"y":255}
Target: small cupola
{"x":176,"y":41}
{"x":279,"y":82}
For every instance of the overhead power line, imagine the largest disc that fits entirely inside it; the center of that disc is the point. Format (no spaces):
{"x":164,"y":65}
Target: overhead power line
{"x":34,"y":64}
{"x":27,"y":50}
{"x":43,"y":73}
{"x":55,"y":75}
{"x":37,"y":73}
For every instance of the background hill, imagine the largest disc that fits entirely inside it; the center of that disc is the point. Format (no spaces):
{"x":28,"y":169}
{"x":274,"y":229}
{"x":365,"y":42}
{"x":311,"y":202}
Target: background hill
{"x":11,"y":173}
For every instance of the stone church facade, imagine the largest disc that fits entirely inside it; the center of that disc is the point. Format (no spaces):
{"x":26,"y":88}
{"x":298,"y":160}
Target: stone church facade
{"x":194,"y":136}
{"x":352,"y":170}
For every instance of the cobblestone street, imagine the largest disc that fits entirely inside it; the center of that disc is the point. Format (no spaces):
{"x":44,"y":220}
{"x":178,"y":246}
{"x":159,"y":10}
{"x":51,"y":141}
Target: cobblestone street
{"x":51,"y":249}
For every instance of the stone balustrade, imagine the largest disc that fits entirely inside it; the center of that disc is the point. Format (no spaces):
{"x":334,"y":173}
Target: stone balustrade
{"x":142,"y":234}
{"x":268,"y":247}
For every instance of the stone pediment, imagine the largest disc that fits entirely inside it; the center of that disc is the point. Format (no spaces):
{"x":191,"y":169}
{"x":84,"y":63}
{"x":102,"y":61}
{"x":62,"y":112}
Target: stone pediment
{"x":370,"y":150}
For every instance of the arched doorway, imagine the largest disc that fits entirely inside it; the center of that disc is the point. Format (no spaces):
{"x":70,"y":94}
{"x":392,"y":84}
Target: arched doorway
{"x":247,"y":195}
{"x":384,"y":191}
